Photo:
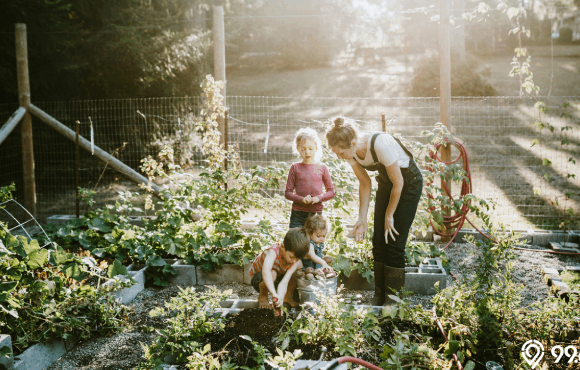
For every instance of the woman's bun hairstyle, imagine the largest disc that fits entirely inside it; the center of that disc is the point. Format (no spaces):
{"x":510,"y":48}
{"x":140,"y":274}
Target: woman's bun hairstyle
{"x":341,"y":132}
{"x":338,"y":122}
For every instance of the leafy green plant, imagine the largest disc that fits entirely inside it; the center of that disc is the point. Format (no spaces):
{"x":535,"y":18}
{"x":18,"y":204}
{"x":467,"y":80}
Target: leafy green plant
{"x":343,"y":328}
{"x":411,"y":351}
{"x":189,"y":317}
{"x":284,"y":359}
{"x":41,"y":297}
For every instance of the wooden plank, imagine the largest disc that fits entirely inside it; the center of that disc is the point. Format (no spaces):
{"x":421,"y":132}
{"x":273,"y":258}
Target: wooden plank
{"x":219,"y":58}
{"x":26,"y":126}
{"x":99,"y":153}
{"x":11,"y":123}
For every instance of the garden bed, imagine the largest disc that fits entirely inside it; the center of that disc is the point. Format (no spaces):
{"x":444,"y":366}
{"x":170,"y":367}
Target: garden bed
{"x":123,"y":351}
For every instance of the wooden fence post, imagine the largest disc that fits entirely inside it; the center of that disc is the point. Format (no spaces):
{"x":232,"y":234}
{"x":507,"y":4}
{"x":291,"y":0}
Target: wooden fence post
{"x":445,"y":85}
{"x":26,"y":125}
{"x":219,"y":57}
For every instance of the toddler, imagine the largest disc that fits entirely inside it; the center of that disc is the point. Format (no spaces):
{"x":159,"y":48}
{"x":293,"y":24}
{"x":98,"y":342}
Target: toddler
{"x":306,"y":178}
{"x":316,"y":226}
{"x":275,"y":267}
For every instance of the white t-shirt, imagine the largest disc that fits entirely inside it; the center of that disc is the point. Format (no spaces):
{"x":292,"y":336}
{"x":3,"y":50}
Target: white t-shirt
{"x":387,"y":150}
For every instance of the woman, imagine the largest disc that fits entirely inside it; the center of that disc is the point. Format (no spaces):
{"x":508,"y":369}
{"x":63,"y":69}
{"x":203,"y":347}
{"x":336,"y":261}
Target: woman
{"x":400,"y":185}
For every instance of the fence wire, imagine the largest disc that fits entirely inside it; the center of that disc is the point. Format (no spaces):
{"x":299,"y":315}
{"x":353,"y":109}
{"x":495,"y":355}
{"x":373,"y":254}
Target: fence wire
{"x":498,"y":133}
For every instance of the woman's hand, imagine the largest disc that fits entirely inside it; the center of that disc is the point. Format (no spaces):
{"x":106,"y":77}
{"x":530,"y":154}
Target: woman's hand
{"x":359,"y":231}
{"x":390,"y":228}
{"x":315,"y":200}
{"x":307,"y":199}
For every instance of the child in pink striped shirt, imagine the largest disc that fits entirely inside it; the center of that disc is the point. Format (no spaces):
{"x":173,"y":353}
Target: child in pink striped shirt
{"x":306,"y":178}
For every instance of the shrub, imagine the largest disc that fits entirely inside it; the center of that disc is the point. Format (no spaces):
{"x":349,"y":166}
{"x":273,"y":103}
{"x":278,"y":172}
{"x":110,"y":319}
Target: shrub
{"x":466,"y":78}
{"x":565,"y":36}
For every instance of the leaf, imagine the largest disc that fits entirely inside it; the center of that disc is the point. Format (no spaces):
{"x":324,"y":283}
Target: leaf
{"x":117,"y":268}
{"x":451,"y":347}
{"x":37,"y":259}
{"x":8,"y":287}
{"x":73,"y":271}
{"x":5,"y":352}
{"x":470,"y":365}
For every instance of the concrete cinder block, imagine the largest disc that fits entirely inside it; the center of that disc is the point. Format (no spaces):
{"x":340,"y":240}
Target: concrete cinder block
{"x":573,"y":268}
{"x":6,"y":341}
{"x":570,"y":245}
{"x":228,"y":273}
{"x":558,"y":286}
{"x":558,"y":247}
{"x":549,"y":270}
{"x":550,"y":278}
{"x":422,"y":279}
{"x":461,"y":234}
{"x":563,"y":237}
{"x":541,"y":237}
{"x":126,"y":295}
{"x":40,"y":356}
{"x":186,"y":274}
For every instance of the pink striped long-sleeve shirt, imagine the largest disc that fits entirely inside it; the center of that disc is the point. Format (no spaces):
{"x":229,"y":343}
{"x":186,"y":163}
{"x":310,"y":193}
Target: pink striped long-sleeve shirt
{"x":308,"y":179}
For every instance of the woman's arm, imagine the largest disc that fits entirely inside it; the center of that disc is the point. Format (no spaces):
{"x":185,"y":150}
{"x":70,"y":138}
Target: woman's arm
{"x":360,"y":228}
{"x":396,"y":177}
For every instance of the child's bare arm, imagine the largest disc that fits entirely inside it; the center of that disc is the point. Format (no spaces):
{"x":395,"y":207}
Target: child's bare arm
{"x":312,"y":256}
{"x":267,"y":272}
{"x":318,"y":260}
{"x":283,"y":285}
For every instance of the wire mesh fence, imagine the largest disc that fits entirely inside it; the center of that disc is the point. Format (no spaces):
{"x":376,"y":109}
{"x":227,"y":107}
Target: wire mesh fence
{"x":507,"y":166}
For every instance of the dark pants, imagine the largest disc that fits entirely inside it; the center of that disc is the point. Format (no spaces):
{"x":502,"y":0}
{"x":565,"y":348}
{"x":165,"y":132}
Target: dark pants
{"x":258,"y":278}
{"x":298,"y":218}
{"x":392,"y":254}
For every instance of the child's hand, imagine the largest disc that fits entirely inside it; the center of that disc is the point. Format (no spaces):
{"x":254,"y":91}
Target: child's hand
{"x":325,"y":265}
{"x":307,"y":199}
{"x":276,"y":300}
{"x":315,"y":200}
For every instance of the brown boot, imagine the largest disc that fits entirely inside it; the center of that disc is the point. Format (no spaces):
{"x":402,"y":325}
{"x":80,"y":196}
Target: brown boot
{"x":379,"y":298}
{"x":394,"y":282}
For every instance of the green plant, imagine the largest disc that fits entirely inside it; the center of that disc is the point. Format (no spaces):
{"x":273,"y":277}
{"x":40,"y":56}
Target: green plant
{"x":189,"y":317}
{"x":416,"y":252}
{"x":571,"y":278}
{"x":411,"y":351}
{"x":343,"y":328}
{"x":284,"y":360}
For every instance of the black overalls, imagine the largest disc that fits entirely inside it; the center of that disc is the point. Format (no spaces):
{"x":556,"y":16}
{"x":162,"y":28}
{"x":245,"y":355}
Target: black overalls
{"x":393,"y":253}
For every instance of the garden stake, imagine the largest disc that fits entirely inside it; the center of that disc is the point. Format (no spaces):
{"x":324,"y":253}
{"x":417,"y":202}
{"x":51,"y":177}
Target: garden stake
{"x":77,"y":165}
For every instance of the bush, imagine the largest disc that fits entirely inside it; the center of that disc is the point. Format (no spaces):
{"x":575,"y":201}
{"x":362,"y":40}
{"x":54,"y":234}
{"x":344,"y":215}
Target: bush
{"x":565,"y":36}
{"x":466,"y":78}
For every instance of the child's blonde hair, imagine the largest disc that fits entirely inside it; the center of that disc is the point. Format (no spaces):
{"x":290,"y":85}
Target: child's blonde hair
{"x":315,"y":222}
{"x":304,"y":134}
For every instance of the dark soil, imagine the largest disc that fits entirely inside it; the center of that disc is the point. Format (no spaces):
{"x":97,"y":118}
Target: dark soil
{"x":262,"y":326}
